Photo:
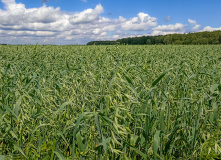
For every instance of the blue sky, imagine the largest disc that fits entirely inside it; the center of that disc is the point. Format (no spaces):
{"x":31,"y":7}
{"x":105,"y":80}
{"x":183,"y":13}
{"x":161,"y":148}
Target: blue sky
{"x":81,"y":21}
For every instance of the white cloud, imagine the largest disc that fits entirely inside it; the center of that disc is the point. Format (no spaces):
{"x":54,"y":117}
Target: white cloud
{"x":140,"y":23}
{"x":196,"y":28}
{"x":18,"y":21}
{"x":208,"y":28}
{"x":116,"y":36}
{"x":122,"y":19}
{"x":56,"y":25}
{"x":96,"y":31}
{"x":190,"y":21}
{"x":87,"y":16}
{"x":18,"y":14}
{"x":103,"y":33}
{"x":169,"y":29}
{"x":27,"y":33}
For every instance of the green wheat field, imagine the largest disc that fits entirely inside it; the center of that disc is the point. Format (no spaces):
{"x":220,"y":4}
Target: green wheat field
{"x":110,"y":102}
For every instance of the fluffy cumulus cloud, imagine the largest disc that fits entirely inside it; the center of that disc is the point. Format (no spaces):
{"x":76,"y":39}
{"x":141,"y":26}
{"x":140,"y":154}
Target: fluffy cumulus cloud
{"x":195,"y":27}
{"x":141,"y":22}
{"x":192,"y":21}
{"x":50,"y":25}
{"x":87,"y":16}
{"x":208,"y":28}
{"x":169,"y":29}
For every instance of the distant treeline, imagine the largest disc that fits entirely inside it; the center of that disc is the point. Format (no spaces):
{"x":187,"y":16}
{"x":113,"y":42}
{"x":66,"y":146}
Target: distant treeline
{"x":179,"y":39}
{"x":103,"y":43}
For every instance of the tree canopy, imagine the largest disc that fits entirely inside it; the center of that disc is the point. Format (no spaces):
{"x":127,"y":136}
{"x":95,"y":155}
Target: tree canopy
{"x":176,"y":39}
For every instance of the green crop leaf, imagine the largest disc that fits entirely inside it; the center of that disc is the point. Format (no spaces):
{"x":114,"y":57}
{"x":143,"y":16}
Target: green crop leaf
{"x":131,"y":84}
{"x":63,"y":105}
{"x":59,"y":155}
{"x":17,"y":106}
{"x":79,"y":142}
{"x":20,"y":150}
{"x":214,"y":87}
{"x":160,"y":77}
{"x":156,"y":144}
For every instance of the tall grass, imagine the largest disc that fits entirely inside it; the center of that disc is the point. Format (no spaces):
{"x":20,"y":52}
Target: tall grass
{"x":110,"y":102}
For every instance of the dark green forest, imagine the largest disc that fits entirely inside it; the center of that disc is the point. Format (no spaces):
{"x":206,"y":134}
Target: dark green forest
{"x":198,"y":38}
